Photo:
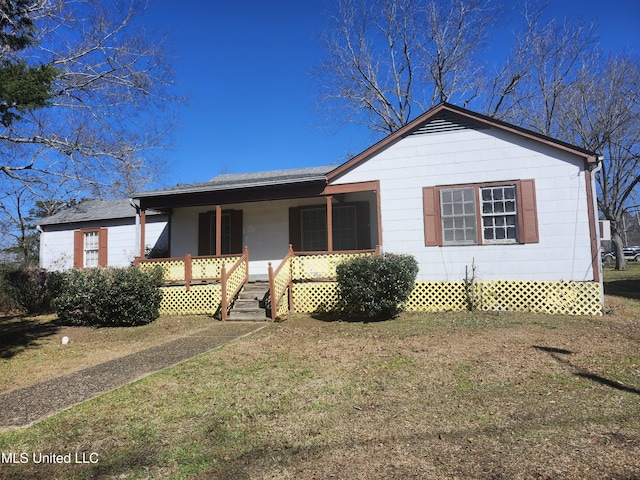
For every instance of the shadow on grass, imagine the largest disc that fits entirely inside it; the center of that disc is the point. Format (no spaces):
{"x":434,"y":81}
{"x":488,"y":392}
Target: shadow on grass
{"x":18,"y":333}
{"x":556,"y":354}
{"x":342,"y":317}
{"x":628,"y":288}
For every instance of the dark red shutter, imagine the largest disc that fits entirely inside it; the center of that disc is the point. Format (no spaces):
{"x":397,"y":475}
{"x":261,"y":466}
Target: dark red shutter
{"x":78,"y":249}
{"x":431,"y":212}
{"x":103,"y":248}
{"x":295,"y":232}
{"x":204,"y":233}
{"x":529,"y":213}
{"x":235,"y":217}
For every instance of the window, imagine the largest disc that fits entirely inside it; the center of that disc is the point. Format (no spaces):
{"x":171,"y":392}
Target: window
{"x":350,"y":227}
{"x":458,"y":214}
{"x":345,"y":228}
{"x":491,"y":213}
{"x":90,"y":248}
{"x":499,"y":214}
{"x":225,"y":234}
{"x":230,"y":232}
{"x":314,"y":229}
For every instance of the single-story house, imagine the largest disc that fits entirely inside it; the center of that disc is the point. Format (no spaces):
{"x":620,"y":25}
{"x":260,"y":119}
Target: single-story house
{"x":469,"y":196}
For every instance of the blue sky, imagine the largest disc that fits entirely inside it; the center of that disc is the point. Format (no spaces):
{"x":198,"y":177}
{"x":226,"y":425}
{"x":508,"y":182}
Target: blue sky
{"x":245,"y":67}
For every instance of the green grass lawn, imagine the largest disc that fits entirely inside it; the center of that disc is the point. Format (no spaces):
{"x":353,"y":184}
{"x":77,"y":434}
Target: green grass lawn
{"x":447,"y":395}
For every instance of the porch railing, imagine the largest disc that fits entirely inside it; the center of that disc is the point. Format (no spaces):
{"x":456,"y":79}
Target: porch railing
{"x":233,"y":281}
{"x":188,"y":270}
{"x":305,"y":267}
{"x":321,"y":266}
{"x":280,"y":282}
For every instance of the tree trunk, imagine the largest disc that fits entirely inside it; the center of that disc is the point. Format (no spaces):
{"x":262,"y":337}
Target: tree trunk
{"x":616,"y":239}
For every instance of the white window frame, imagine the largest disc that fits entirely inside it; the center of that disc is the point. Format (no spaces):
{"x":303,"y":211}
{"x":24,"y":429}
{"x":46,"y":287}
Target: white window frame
{"x":499,"y":212}
{"x":458,"y":216}
{"x":91,"y":248}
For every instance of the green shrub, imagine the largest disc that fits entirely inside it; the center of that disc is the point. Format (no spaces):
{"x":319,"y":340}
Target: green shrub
{"x":29,"y":289}
{"x":376,"y":287}
{"x":109,"y":297}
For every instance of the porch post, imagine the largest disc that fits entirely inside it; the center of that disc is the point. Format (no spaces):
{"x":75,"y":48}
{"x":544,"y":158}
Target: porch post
{"x":218,"y":230}
{"x":329,"y":223}
{"x":143,"y":223}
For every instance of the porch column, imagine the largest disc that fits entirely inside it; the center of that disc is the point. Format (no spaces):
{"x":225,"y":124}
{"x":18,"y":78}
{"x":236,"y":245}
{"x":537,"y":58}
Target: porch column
{"x":218,"y":230}
{"x":143,"y":224}
{"x":329,"y":223}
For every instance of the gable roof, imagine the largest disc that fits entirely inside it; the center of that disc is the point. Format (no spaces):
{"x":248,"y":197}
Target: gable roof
{"x":447,"y":111}
{"x":238,"y":187}
{"x":94,"y":210}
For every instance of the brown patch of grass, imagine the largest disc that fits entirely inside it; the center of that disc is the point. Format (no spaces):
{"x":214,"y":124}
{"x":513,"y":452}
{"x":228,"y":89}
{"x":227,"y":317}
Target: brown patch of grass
{"x":454,"y":395}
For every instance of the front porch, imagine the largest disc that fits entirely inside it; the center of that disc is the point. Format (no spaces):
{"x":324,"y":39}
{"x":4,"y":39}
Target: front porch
{"x":210,"y":285}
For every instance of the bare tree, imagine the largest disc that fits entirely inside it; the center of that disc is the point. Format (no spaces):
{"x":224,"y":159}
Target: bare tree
{"x":546,"y":59}
{"x":558,"y":83}
{"x":109,"y":107}
{"x":456,"y":33}
{"x":389,"y":60}
{"x":603,"y":115}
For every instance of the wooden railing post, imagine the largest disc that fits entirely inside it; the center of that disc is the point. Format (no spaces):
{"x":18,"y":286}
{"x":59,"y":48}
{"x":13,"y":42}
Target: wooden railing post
{"x":224,"y":305}
{"x":188,"y":271}
{"x":291,"y":256}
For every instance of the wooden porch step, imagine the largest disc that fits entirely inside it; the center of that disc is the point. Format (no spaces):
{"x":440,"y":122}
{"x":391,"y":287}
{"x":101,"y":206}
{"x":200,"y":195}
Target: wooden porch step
{"x":247,"y":305}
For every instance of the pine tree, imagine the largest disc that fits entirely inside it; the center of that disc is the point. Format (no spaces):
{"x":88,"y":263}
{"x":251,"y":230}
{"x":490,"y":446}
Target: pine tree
{"x":23,"y":87}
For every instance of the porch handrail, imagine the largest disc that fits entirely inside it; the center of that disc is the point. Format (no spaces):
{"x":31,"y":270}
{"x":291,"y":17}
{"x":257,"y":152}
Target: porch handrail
{"x":281,"y":277}
{"x":323,"y":268}
{"x":181,"y":269}
{"x":232,"y":283}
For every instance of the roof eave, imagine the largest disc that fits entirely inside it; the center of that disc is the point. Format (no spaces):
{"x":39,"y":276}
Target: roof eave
{"x":221,"y":188}
{"x":589,"y":157}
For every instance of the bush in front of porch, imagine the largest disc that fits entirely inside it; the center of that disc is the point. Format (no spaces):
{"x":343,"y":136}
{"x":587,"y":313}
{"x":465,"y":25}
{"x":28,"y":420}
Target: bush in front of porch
{"x":375,"y":287}
{"x":109,"y":297}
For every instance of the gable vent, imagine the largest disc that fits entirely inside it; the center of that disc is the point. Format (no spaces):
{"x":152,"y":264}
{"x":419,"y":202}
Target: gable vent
{"x":445,"y":124}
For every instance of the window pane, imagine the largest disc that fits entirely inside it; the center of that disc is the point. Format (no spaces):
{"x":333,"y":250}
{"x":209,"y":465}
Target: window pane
{"x":458,"y":213}
{"x":91,"y":249}
{"x":499,"y":213}
{"x":488,"y":233}
{"x":314,"y":229}
{"x":345,"y":230}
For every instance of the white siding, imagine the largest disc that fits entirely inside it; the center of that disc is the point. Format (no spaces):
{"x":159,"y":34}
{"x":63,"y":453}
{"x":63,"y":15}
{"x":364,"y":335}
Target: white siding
{"x":56,"y":242}
{"x":474,"y":156}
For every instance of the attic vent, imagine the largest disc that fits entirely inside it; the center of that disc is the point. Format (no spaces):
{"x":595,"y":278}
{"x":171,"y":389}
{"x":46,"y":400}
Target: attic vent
{"x":446,"y":123}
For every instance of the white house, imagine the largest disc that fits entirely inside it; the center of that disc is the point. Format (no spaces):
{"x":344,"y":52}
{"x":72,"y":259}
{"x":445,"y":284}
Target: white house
{"x":457,"y":190}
